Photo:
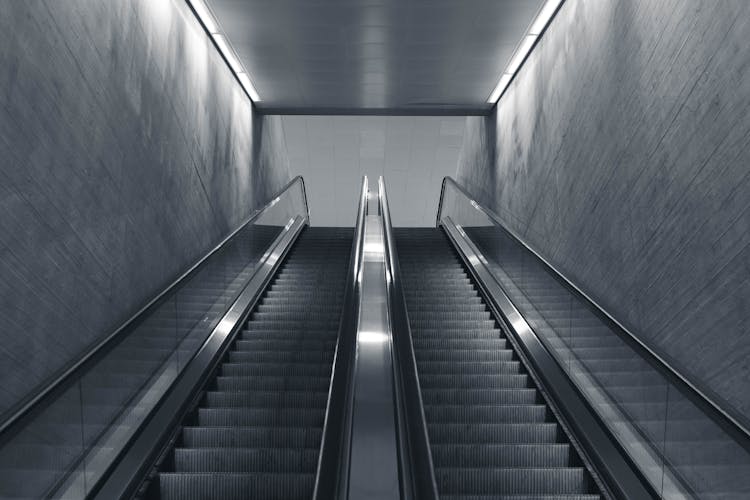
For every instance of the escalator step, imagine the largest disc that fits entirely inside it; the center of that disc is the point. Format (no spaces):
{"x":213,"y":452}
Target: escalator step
{"x":469,"y":367}
{"x":259,"y":436}
{"x":463,"y":355}
{"x":239,"y":382}
{"x":245,"y":460}
{"x":487,"y":414}
{"x":512,"y":481}
{"x":489,"y":380}
{"x":494,"y":433}
{"x":266,"y":399}
{"x":502,"y":455}
{"x":220,"y":417}
{"x":481,"y":396}
{"x":236,"y":486}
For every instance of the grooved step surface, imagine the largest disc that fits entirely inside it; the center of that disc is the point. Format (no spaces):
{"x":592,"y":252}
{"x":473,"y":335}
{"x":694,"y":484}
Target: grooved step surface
{"x":491,"y":434}
{"x":257,"y":431}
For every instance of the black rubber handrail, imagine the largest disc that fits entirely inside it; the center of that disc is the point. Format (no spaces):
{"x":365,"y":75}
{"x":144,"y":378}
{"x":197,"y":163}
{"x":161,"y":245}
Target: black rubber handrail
{"x":333,"y":459}
{"x":414,"y":438}
{"x":67,"y":376}
{"x":731,"y":424}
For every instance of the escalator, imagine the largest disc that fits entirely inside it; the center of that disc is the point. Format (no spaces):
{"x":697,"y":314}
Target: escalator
{"x":491,"y":432}
{"x":257,"y":430}
{"x":373,"y":362}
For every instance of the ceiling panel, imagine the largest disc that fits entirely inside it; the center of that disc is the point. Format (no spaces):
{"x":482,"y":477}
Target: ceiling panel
{"x":353,"y":56}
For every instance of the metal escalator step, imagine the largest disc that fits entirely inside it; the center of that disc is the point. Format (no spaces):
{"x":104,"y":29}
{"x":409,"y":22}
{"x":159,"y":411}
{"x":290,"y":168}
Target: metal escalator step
{"x":469,"y":367}
{"x":458,"y":334}
{"x":453,"y":323}
{"x":245,"y":460}
{"x":466,"y":355}
{"x":291,"y":324}
{"x":266,"y":399}
{"x":284,"y":345}
{"x":502,"y":455}
{"x":445,"y":414}
{"x":220,"y":417}
{"x":317,"y":335}
{"x":495,"y":381}
{"x":323,"y":318}
{"x":513,"y":480}
{"x":247,"y":436}
{"x":460,"y":344}
{"x":494,"y":433}
{"x":239,"y":382}
{"x":481,"y":396}
{"x":423,"y":308}
{"x":235,"y":486}
{"x":252,"y":367}
{"x":566,"y":496}
{"x":317,"y":356}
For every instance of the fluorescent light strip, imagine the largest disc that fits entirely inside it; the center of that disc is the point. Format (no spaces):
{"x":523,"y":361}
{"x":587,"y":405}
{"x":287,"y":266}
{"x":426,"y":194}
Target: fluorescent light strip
{"x":540,"y":23}
{"x":249,"y":87}
{"x":234,"y":63}
{"x":204,"y":14}
{"x":504,"y":81}
{"x":209,"y":21}
{"x":544,"y":16}
{"x":521,"y":52}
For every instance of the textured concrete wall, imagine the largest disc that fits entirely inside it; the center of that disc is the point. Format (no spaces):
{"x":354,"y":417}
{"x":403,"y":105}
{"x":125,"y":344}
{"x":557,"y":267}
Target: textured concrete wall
{"x":127,"y":150}
{"x":621,"y":152}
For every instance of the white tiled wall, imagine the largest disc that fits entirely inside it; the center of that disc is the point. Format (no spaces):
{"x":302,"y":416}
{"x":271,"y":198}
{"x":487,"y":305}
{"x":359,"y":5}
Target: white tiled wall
{"x":413,"y":153}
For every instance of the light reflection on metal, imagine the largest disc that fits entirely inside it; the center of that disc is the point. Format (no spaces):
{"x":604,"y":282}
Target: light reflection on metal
{"x":374,"y":248}
{"x":372,"y":337}
{"x":374,"y":459}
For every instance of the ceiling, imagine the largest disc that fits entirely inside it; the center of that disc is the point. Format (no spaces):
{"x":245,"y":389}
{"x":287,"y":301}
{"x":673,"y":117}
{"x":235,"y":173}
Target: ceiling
{"x":375,"y":56}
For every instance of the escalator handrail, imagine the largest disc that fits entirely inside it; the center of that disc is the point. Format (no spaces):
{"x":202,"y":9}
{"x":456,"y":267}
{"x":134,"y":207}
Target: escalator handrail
{"x":331,"y":474}
{"x":78,"y":368}
{"x":726,"y":420}
{"x":415,"y":439}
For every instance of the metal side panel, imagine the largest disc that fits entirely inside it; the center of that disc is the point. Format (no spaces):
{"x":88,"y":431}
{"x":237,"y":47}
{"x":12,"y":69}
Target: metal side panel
{"x":374,"y":466}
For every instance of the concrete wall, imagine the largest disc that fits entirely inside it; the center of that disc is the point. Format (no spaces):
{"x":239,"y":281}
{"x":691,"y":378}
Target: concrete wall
{"x":413,"y":153}
{"x":127,"y":151}
{"x":621,"y":152}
